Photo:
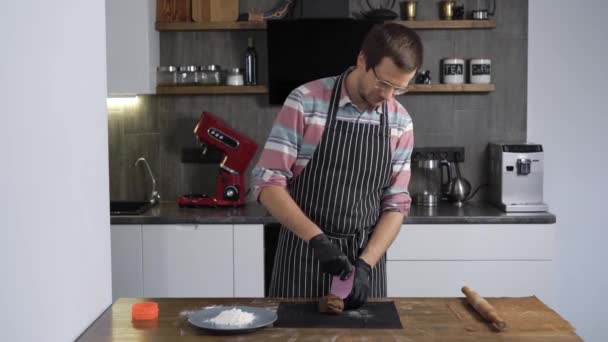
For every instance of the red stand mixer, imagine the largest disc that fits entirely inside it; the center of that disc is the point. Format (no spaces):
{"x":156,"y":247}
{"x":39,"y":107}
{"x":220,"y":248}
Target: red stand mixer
{"x":237,"y":152}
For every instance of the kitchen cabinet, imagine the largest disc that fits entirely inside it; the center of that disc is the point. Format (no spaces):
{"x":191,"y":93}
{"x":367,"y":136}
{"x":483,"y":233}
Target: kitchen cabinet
{"x":495,"y":260}
{"x":248,"y":260}
{"x":133,"y":49}
{"x":127,"y":262}
{"x":188,"y":261}
{"x":426,"y":260}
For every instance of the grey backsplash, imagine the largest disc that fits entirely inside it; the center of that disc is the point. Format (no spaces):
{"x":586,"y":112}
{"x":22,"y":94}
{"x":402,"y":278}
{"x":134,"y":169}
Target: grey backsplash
{"x":161,"y":125}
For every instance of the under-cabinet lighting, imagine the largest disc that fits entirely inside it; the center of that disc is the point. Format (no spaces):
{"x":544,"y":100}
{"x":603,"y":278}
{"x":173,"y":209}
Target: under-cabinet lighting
{"x":114,"y":100}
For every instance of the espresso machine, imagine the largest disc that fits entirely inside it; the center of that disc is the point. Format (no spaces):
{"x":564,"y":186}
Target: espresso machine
{"x":236,"y":152}
{"x":516,"y":176}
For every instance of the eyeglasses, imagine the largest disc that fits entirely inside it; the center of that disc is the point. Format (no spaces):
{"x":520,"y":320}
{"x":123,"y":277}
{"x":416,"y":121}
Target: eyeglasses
{"x":384,"y":85}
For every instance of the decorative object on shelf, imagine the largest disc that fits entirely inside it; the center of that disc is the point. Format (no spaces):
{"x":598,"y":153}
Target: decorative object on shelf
{"x":480,"y":70}
{"x":166,"y":75}
{"x":215,"y":10}
{"x":279,"y":12}
{"x":235,"y":77}
{"x":459,"y":12}
{"x":453,"y":70}
{"x":447,"y":9}
{"x":380,"y":13}
{"x":483,"y":13}
{"x":170,"y":11}
{"x":409,"y":9}
{"x":423,"y":77}
{"x":251,"y":64}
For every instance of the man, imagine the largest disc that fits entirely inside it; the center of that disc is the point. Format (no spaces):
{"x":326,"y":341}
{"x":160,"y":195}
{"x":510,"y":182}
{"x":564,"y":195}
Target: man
{"x":335,"y":170}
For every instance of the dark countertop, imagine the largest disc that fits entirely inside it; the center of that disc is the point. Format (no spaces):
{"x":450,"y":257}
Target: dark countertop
{"x":253,"y":213}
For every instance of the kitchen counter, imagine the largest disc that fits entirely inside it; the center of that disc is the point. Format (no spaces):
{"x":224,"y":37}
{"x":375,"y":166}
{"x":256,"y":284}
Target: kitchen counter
{"x":423,"y":319}
{"x":254,"y":213}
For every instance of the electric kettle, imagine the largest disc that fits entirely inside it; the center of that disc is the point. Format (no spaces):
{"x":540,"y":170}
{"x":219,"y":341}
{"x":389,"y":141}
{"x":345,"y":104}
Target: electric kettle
{"x":427,"y":181}
{"x":460,"y":188}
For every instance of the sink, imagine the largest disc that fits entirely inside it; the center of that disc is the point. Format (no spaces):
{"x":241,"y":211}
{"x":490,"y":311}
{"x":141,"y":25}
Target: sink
{"x":129,"y":207}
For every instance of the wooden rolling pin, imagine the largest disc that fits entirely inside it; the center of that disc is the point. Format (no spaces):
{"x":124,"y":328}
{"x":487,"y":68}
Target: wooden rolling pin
{"x":484,"y":308}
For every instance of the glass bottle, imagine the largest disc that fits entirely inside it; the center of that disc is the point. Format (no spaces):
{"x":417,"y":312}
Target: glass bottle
{"x":251,"y":64}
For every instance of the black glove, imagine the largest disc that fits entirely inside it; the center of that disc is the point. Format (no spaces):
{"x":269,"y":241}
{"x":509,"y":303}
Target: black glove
{"x":332,"y":260}
{"x":361,"y":285}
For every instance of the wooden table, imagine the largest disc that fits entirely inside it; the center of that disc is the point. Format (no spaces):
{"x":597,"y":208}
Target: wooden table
{"x":424,"y":319}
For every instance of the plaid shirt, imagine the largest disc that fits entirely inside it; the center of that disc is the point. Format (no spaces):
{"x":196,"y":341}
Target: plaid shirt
{"x":298,"y":129}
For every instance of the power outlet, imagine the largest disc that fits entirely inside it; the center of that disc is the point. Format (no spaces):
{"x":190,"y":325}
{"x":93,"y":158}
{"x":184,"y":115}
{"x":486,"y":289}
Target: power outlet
{"x":451,"y":154}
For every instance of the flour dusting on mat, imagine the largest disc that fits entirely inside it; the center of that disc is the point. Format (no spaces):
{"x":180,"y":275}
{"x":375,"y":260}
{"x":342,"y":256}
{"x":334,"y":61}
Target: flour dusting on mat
{"x":359,"y":314}
{"x":233,"y":317}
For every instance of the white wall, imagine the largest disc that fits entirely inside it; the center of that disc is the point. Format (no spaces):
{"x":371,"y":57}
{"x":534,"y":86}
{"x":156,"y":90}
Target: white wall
{"x":567,"y":113}
{"x":55,"y":251}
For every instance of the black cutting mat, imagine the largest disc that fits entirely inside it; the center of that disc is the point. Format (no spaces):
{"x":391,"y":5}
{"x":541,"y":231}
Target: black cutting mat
{"x":373,"y":315}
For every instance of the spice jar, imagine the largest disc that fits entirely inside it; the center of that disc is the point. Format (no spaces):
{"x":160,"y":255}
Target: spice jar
{"x":235,"y":77}
{"x":187,"y":74}
{"x":210,"y":75}
{"x":166,"y":75}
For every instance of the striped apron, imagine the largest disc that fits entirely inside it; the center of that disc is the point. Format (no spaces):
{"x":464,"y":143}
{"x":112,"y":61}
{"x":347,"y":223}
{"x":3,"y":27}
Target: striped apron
{"x":340,"y":190}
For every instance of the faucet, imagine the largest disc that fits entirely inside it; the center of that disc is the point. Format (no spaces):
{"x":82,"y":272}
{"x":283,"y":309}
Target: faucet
{"x":154,"y":196}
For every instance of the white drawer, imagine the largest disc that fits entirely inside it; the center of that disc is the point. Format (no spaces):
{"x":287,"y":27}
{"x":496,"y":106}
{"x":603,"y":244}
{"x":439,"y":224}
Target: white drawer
{"x":474,"y":242}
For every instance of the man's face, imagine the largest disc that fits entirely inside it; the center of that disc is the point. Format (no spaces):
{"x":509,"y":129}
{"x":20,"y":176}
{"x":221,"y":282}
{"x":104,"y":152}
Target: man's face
{"x":382,"y":82}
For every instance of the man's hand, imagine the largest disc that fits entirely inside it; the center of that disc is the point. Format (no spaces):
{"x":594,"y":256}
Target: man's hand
{"x":361,"y":285}
{"x":332,"y":260}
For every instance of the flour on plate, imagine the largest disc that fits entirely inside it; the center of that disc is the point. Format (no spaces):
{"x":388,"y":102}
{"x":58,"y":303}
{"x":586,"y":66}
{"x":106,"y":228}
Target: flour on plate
{"x":232,"y":317}
{"x":188,"y":313}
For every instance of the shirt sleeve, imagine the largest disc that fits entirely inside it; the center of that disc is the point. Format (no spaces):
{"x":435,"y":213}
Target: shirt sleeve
{"x":396,"y":196}
{"x":275,"y":166}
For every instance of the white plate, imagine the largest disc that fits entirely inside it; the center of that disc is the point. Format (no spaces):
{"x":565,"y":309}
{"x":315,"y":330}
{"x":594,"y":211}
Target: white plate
{"x":263,"y":318}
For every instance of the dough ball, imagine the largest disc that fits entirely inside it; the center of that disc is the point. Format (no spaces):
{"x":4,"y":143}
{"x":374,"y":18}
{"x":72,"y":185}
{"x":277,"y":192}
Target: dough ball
{"x":331,"y":304}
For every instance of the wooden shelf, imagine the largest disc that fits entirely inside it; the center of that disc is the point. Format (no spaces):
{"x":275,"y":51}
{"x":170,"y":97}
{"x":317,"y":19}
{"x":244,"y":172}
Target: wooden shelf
{"x":451,"y":88}
{"x":262,"y":89}
{"x":261,"y":25}
{"x":211,"y":26}
{"x":448,"y":24}
{"x":193,"y":90}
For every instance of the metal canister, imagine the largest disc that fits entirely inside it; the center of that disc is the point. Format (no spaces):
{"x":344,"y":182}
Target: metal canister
{"x":409,"y":10}
{"x":447,"y":9}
